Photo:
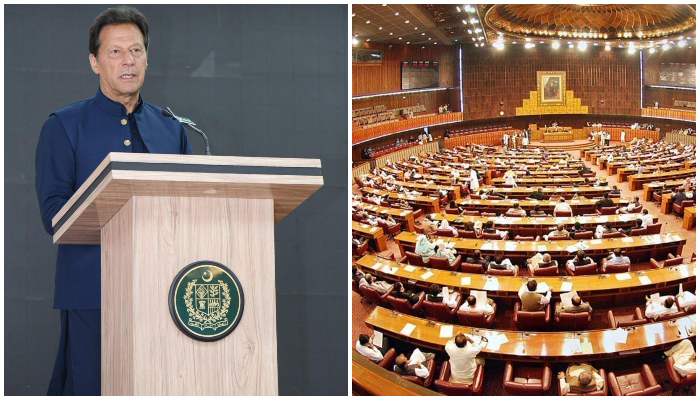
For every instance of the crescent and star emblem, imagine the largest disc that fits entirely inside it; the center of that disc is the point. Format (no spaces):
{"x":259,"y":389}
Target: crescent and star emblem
{"x":204,"y":276}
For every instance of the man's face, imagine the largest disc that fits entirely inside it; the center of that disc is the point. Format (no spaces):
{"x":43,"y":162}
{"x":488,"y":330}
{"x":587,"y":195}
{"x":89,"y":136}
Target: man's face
{"x":121,"y":62}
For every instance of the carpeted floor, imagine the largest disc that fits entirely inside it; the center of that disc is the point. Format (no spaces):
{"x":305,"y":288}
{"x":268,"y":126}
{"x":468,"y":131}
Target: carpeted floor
{"x":494,"y":369}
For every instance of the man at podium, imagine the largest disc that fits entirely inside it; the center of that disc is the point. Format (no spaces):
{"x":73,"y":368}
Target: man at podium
{"x":73,"y":141}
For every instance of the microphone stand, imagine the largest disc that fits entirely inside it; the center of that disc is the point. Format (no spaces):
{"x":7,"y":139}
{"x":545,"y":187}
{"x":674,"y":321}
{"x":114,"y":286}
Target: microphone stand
{"x":167,"y":112}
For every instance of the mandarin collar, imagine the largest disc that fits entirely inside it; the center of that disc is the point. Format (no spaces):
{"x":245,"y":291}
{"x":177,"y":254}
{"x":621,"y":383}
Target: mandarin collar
{"x":114,"y":108}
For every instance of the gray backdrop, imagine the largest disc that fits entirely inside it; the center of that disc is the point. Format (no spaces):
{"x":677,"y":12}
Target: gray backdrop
{"x":261,"y":81}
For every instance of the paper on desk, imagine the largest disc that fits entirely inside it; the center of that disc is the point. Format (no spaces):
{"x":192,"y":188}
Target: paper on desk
{"x":426,"y":275}
{"x":620,"y":335}
{"x":390,"y":270}
{"x":405,"y":213}
{"x":406,"y":331}
{"x":627,"y":240}
{"x":480,"y":297}
{"x":377,"y":265}
{"x":644,"y":280}
{"x":510,"y":246}
{"x":491,"y":284}
{"x":377,"y":339}
{"x":566,"y":286}
{"x":596,"y":241}
{"x":373,"y":230}
{"x":575,"y":201}
{"x":572,"y":249}
{"x":655,"y":298}
{"x":542,"y":287}
{"x":486,"y":246}
{"x":680,"y":289}
{"x":573,"y":345}
{"x":623,"y":277}
{"x":542,"y":247}
{"x":587,"y":348}
{"x":409,"y":268}
{"x":446,"y":331}
{"x":495,"y":342}
{"x":466,"y":281}
{"x":450,"y":245}
{"x":432,"y":216}
{"x":676,"y":237}
{"x":566,"y":298}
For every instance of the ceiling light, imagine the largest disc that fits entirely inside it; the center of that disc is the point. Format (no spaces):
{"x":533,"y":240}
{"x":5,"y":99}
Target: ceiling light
{"x":422,"y":34}
{"x":477,"y":30}
{"x":408,"y":42}
{"x":458,"y":9}
{"x":498,"y":45}
{"x":514,"y":42}
{"x":391,"y":33}
{"x":541,"y":41}
{"x":665,"y":47}
{"x":434,"y":42}
{"x":356,"y":35}
{"x":383,"y":5}
{"x":353,"y":14}
{"x":529,"y":45}
{"x":400,"y":38}
{"x":474,"y":21}
{"x":476,"y":44}
{"x":422,"y":47}
{"x":464,"y":21}
{"x":682,"y":43}
{"x":555,"y":45}
{"x":368,"y":21}
{"x":407,"y":21}
{"x":380,"y":28}
{"x":482,"y":45}
{"x":501,"y":113}
{"x":469,"y":31}
{"x":354,"y":41}
{"x":582,"y":45}
{"x":595,"y":44}
{"x":652,"y":50}
{"x":474,"y":39}
{"x":396,"y":13}
{"x":631,"y":50}
{"x":571,"y":46}
{"x":416,"y":28}
{"x":527,"y":39}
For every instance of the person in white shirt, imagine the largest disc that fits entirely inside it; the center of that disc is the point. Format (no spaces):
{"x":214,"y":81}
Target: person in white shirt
{"x":505,"y":140}
{"x":683,"y":355}
{"x":686,"y":300}
{"x":646,"y":218}
{"x":629,"y":207}
{"x":446,"y":225}
{"x":415,"y":365}
{"x":471,"y":305}
{"x":442,"y":295}
{"x":473,"y":179}
{"x":622,"y":136}
{"x":654,"y":311}
{"x":463,"y":361}
{"x":510,"y":181}
{"x":580,"y":378}
{"x":365,"y":347}
{"x":563,"y":206}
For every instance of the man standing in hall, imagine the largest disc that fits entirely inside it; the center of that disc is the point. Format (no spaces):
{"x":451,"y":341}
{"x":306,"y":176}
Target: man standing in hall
{"x":73,"y":141}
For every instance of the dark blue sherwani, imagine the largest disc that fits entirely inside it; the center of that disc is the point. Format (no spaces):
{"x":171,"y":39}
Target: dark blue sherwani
{"x":73,"y":141}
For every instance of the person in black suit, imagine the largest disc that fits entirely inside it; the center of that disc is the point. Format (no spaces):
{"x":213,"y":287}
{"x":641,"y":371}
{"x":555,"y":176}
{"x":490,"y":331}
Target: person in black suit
{"x":576,"y":229}
{"x":604,"y":202}
{"x":401,"y":293}
{"x":537,"y":195}
{"x":479,"y":259}
{"x":678,"y":197}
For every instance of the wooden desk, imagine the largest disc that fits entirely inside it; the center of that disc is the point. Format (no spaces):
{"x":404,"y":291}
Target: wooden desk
{"x":636,"y":181}
{"x":369,"y":379}
{"x":533,"y":226}
{"x":666,"y":203}
{"x":540,"y":346}
{"x":636,"y":247}
{"x":529,"y":182}
{"x":623,"y":173}
{"x":578,"y":207}
{"x":404,"y":217}
{"x":568,"y":193}
{"x":679,"y":137}
{"x":649,"y":188}
{"x":374,"y":233}
{"x":505,"y":288}
{"x":558,"y":137}
{"x":430,"y":204}
{"x":688,"y":218}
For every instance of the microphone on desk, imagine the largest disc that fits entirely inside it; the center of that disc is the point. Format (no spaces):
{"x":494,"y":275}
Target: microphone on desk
{"x":188,"y":123}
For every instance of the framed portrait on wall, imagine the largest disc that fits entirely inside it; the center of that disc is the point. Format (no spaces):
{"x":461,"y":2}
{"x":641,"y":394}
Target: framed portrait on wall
{"x":551,"y":88}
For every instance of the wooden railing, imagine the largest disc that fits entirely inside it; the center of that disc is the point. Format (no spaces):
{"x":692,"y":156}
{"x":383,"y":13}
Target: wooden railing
{"x":402,"y":155}
{"x":629,"y":133}
{"x":362,"y":134}
{"x":679,"y":137}
{"x":485,"y":138}
{"x":669,"y":113}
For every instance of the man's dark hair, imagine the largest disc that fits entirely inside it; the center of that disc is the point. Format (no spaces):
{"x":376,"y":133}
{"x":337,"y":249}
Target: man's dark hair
{"x":617,"y":252}
{"x":516,"y":205}
{"x":364,"y":339}
{"x":117,"y":16}
{"x":471,"y":300}
{"x":605,"y":195}
{"x":488,"y":225}
{"x":577,"y":225}
{"x":434,"y":289}
{"x":608,"y":225}
{"x":537,"y":207}
{"x":668,"y":303}
{"x":645,"y":211}
{"x":532,"y":285}
{"x":639,"y":223}
{"x":460,"y":340}
{"x":576,"y":301}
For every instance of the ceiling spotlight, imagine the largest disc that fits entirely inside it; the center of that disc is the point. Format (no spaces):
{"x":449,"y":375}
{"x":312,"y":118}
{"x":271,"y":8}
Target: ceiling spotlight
{"x":430,"y":38}
{"x":396,"y":13}
{"x":527,"y":39}
{"x":354,"y":41}
{"x":631,"y":50}
{"x":407,"y":21}
{"x":476,"y":44}
{"x":498,"y":45}
{"x":555,"y":45}
{"x":682,"y":43}
{"x":416,"y":28}
{"x":422,"y":47}
{"x":571,"y":46}
{"x":514,"y":42}
{"x":469,"y":31}
{"x":665,"y":47}
{"x":477,"y":30}
{"x":464,"y":21}
{"x":482,"y":45}
{"x":474,"y":21}
{"x":391,"y":33}
{"x":368,"y":21}
{"x":501,"y":113}
{"x":582,"y":45}
{"x":353,"y":14}
{"x":458,"y":9}
{"x":356,"y":35}
{"x":380,"y":28}
{"x":595,"y":44}
{"x":474,"y":39}
{"x":434,"y":42}
{"x":400,"y":38}
{"x":529,"y":45}
{"x":541,"y":41}
{"x":408,"y":42}
{"x":422,"y":34}
{"x":652,"y":50}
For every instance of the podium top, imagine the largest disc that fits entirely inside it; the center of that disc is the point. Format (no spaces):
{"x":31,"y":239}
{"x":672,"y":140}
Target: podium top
{"x":120,"y":176}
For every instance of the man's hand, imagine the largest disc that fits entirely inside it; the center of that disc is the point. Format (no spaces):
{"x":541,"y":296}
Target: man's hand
{"x":561,"y":375}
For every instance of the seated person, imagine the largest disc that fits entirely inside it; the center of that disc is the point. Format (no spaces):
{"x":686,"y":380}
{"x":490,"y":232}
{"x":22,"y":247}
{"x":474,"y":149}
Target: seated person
{"x":616,"y":258}
{"x":579,"y":260}
{"x":516,"y":210}
{"x":400,"y":292}
{"x":602,"y":181}
{"x":477,"y":258}
{"x":537,"y":195}
{"x":637,"y":225}
{"x":424,"y":248}
{"x":540,"y":261}
{"x":580,"y":378}
{"x":510,"y":182}
{"x":463,"y":362}
{"x":536,"y":212}
{"x":502,"y":263}
{"x":436,"y":295}
{"x":559,"y":233}
{"x":646,"y":218}
{"x":629,"y":207}
{"x":391,"y":222}
{"x":577,"y":196}
{"x":365,"y":347}
{"x":488,"y":228}
{"x":577,"y":306}
{"x":600,"y":230}
{"x":380,"y":286}
{"x":614,"y":190}
{"x":667,"y":306}
{"x":683,"y":357}
{"x":563,"y":206}
{"x":576,"y":229}
{"x":416,"y":365}
{"x":471,"y":305}
{"x":444,"y":252}
{"x":428,"y":227}
{"x":446,"y":225}
{"x":531,"y":300}
{"x":604,"y":202}
{"x":686,"y":300}
{"x":678,"y":196}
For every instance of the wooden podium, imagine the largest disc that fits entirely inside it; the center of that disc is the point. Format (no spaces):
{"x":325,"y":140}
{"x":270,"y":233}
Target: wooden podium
{"x":155,"y":214}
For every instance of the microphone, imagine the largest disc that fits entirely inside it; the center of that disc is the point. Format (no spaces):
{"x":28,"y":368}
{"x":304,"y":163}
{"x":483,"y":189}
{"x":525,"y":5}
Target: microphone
{"x":188,"y":123}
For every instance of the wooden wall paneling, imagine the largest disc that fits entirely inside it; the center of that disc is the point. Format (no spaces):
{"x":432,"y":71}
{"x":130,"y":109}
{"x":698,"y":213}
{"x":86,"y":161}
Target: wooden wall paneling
{"x":432,"y":100}
{"x":652,"y":62}
{"x":666,"y":97}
